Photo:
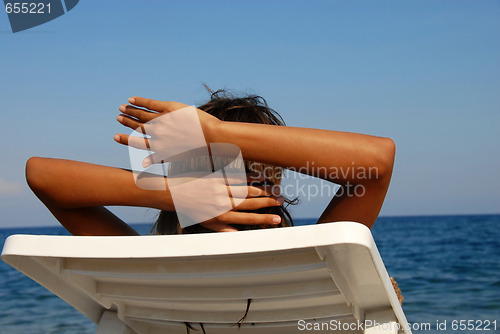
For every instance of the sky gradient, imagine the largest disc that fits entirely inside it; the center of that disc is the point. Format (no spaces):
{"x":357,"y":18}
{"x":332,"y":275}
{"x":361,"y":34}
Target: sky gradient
{"x":424,"y":73}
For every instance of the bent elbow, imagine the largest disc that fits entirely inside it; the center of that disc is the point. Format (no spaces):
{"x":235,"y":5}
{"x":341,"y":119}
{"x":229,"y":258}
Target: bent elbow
{"x":385,"y":159}
{"x":34,"y":177}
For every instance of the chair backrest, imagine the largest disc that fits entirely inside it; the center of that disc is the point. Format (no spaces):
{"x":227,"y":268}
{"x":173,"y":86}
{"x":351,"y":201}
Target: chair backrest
{"x":261,"y":281}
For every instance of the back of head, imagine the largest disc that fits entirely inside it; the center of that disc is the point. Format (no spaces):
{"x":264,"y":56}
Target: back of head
{"x":246,"y":109}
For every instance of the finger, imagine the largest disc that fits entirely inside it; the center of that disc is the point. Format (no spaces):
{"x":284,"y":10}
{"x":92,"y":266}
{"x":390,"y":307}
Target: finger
{"x":238,"y":191}
{"x":260,"y":202}
{"x":249,"y":218}
{"x":264,"y":191}
{"x":140,"y":114}
{"x":242,"y":191}
{"x":140,"y":143}
{"x":129,"y":122}
{"x":160,"y":106}
{"x":253,"y":179}
{"x":218,"y":227}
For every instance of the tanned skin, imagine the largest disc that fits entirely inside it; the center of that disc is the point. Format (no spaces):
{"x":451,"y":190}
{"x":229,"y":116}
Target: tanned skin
{"x":76,"y":192}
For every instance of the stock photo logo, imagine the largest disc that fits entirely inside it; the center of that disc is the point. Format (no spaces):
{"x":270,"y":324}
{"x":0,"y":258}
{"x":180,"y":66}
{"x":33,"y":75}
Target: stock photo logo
{"x":29,"y":14}
{"x":204,"y":180}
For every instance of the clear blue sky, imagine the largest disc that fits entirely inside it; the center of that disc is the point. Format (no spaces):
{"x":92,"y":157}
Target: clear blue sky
{"x":425,"y":73}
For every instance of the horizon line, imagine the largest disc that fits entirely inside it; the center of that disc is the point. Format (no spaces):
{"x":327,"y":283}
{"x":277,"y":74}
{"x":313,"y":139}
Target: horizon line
{"x":296,"y":219}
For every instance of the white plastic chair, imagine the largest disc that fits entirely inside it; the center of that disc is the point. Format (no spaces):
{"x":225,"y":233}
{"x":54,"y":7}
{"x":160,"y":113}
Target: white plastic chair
{"x":286,"y":280}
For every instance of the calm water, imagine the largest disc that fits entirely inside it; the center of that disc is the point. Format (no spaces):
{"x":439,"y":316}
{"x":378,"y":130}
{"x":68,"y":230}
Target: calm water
{"x":448,"y":268}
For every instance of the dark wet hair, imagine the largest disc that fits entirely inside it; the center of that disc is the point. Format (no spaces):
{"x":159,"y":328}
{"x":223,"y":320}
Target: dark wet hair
{"x":247,"y":109}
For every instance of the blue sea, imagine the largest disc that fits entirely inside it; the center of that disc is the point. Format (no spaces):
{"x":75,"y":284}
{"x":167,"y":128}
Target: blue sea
{"x":448,"y":268}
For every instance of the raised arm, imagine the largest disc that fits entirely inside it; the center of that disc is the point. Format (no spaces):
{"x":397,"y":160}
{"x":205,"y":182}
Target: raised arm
{"x":361,"y":164}
{"x":348,"y":159}
{"x":76,"y":193}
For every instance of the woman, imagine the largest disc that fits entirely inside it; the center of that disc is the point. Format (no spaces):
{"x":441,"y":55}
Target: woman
{"x":76,"y":192}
